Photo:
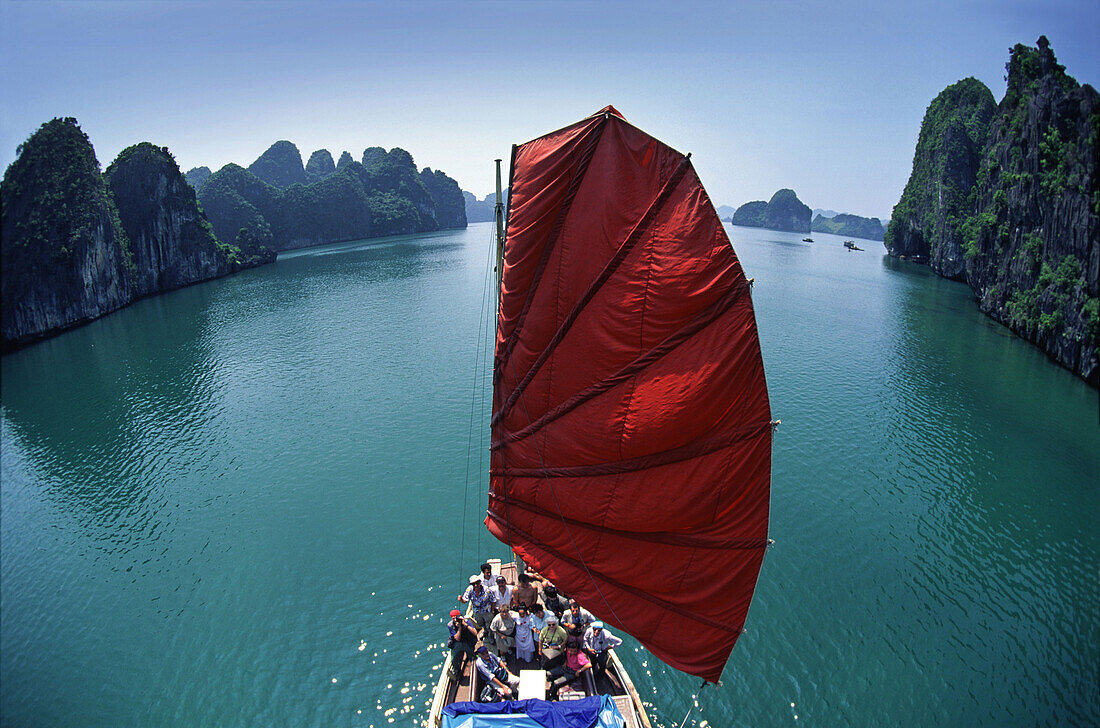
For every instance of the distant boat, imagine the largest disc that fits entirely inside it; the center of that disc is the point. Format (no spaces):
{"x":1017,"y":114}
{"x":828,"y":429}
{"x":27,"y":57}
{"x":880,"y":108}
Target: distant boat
{"x":851,"y":245}
{"x":807,"y":240}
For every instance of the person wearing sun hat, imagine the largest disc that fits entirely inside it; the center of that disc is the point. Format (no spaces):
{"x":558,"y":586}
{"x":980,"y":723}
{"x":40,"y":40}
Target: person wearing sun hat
{"x":598,"y":643}
{"x":482,"y":600}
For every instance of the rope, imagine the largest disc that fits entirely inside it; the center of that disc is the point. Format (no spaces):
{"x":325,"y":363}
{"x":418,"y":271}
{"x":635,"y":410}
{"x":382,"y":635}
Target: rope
{"x":694,"y":703}
{"x":478,"y":386}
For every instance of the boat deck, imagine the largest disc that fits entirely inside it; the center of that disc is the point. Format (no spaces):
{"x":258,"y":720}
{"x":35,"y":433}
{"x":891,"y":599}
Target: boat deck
{"x":466,"y":685}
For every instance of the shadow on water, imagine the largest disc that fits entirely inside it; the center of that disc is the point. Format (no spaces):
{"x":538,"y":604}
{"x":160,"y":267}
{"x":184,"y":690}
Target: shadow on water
{"x":95,"y":407}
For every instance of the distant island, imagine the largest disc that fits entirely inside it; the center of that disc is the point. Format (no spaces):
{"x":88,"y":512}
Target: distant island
{"x":1006,"y":198}
{"x":78,"y":243}
{"x":852,"y":226}
{"x":784,"y":211}
{"x":281,"y":203}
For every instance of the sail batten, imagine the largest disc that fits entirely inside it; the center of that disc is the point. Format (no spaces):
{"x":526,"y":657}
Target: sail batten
{"x":631,"y":428}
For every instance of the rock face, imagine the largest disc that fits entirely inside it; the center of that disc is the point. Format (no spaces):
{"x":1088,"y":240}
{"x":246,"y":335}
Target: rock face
{"x":483,"y":210}
{"x":927,"y":221}
{"x":751,"y":214}
{"x":854,"y":226}
{"x":65,"y":256}
{"x":197,"y":176}
{"x":1028,"y":226}
{"x":786,"y":212}
{"x":320,"y":166}
{"x":1033,"y":258}
{"x":77,"y":244}
{"x":388,"y":197}
{"x":171,"y":243}
{"x":280,"y":165}
{"x":450,"y":205}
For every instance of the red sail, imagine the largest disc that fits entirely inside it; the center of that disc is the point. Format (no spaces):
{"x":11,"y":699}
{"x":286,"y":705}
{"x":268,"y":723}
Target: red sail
{"x":631,"y":426}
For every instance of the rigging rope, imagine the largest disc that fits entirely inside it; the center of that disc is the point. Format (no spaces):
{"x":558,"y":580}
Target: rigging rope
{"x":478,"y":387}
{"x":695,"y":703}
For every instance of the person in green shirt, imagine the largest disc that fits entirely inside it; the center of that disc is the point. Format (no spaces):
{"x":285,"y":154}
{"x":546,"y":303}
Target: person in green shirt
{"x":552,"y":643}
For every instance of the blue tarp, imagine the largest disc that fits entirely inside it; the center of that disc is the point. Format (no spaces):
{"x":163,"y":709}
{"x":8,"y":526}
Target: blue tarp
{"x":598,"y":711}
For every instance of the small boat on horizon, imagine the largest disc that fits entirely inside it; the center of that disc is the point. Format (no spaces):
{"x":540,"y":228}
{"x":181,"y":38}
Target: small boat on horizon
{"x":807,"y":240}
{"x":850,"y":245}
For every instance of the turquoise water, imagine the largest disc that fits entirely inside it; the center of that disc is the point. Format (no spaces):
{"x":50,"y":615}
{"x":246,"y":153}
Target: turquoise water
{"x":245,"y":503}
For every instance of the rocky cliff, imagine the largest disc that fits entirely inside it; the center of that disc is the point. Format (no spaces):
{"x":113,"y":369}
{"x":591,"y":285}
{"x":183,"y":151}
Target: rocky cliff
{"x":1027,"y":229}
{"x":388,"y":197}
{"x":927,"y":221}
{"x":65,"y":256}
{"x":1033,"y":250}
{"x":320,"y":166}
{"x":784,"y":211}
{"x":280,"y":166}
{"x":450,"y":205}
{"x":852,"y":226}
{"x":751,"y":214}
{"x":171,"y":242}
{"x":77,"y":244}
{"x":197,"y":176}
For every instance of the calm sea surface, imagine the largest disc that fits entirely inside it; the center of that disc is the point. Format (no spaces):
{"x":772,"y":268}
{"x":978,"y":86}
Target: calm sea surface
{"x":245,"y":503}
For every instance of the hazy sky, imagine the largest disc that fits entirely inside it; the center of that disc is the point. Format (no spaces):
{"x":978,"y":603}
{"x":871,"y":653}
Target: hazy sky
{"x":822,"y":97}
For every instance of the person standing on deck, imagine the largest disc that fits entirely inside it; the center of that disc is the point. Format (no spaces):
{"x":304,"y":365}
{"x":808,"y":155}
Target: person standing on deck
{"x":538,"y":619}
{"x":482,"y":601}
{"x":526,"y":592}
{"x":554,"y":602}
{"x":598,"y":643}
{"x":503,"y":628}
{"x":495,"y":673}
{"x":525,"y":634}
{"x":488,"y":580}
{"x":551,"y":642}
{"x":577,"y":619}
{"x":503,"y":592}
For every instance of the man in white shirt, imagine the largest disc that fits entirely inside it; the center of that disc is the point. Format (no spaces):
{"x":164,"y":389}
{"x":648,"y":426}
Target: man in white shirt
{"x":598,"y":643}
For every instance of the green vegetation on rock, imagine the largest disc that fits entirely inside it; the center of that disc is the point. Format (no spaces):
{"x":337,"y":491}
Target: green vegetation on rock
{"x":751,"y":214}
{"x":280,"y":165}
{"x":1027,"y":221}
{"x":854,"y":226}
{"x":927,"y":223}
{"x":78,"y":244}
{"x":320,"y":166}
{"x":388,"y":197}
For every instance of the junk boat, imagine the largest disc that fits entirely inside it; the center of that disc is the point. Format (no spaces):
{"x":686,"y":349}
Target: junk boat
{"x":631,"y":431}
{"x":850,"y":245}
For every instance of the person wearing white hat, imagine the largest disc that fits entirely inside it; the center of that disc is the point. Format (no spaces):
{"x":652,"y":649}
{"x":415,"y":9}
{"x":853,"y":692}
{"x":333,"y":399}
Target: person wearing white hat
{"x":482,"y":601}
{"x":598,"y":643}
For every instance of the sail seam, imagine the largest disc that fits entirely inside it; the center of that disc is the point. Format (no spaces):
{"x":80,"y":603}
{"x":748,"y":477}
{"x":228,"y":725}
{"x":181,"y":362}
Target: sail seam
{"x":628,"y":245}
{"x":666,"y":538}
{"x":703,"y":319}
{"x":652,"y":460}
{"x":662,"y":603}
{"x":552,"y":238}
